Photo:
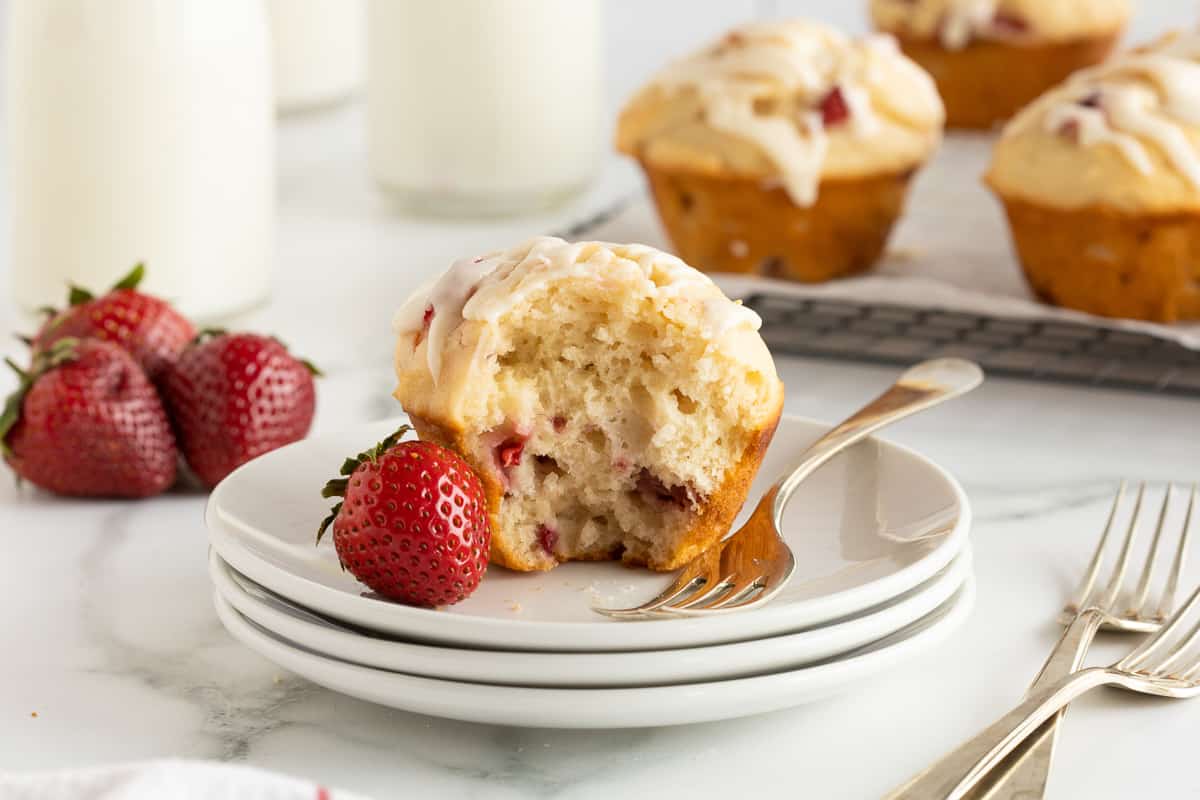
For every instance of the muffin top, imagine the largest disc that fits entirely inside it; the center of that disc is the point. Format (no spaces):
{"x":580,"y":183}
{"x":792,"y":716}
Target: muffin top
{"x":451,"y":331}
{"x":1122,"y":135}
{"x":956,"y":23}
{"x":793,"y":102}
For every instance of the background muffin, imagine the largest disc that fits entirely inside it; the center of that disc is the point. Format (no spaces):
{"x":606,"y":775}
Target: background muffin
{"x":613,"y":401}
{"x":992,"y":57}
{"x":1101,"y":182}
{"x":783,"y":149}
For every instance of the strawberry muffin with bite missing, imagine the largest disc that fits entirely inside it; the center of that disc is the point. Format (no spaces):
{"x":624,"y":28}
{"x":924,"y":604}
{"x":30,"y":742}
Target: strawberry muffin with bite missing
{"x":783,"y":149}
{"x":992,"y":57}
{"x":1101,"y":182}
{"x":614,"y":403}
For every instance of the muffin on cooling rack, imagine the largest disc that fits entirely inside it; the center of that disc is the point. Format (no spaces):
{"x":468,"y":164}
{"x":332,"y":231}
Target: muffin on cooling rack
{"x":1101,"y":181}
{"x":783,"y":149}
{"x":613,"y":401}
{"x":992,"y":57}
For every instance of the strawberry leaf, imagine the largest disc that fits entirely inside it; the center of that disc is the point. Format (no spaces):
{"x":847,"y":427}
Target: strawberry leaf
{"x":337,"y":487}
{"x":325,"y":523}
{"x":22,"y":374}
{"x":205,"y":334}
{"x":60,"y":352}
{"x":131,"y":280}
{"x":78,"y":296}
{"x":12,"y":406}
{"x":8,"y":418}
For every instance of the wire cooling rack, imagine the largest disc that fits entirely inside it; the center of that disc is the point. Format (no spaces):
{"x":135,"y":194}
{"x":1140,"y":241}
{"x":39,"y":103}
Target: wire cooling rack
{"x":1038,"y":350}
{"x":1031,"y":349}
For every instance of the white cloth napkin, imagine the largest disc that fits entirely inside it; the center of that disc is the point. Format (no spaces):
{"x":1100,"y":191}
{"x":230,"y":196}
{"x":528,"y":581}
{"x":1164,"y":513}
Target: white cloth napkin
{"x":951,"y":250}
{"x":164,"y":780}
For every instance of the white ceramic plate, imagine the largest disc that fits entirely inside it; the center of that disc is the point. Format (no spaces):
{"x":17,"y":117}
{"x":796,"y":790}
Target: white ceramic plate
{"x":872,"y":524}
{"x":602,"y":708}
{"x":689,"y":665}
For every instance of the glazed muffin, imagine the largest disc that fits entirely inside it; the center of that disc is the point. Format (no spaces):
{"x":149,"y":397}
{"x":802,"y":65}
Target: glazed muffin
{"x":783,"y":149}
{"x":1101,"y":182}
{"x":613,"y":401}
{"x":990,"y":58}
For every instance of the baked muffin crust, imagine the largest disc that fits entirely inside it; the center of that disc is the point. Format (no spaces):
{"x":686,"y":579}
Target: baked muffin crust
{"x":956,"y":23}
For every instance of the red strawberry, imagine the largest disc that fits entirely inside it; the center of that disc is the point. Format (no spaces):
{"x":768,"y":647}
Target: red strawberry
{"x":412,"y":524}
{"x":834,"y":108}
{"x":235,"y":396}
{"x":87,"y":422}
{"x":147,"y":327}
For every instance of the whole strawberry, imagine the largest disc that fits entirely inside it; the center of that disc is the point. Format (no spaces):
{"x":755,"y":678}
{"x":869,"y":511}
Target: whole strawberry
{"x":149,"y":328}
{"x":412,"y":524}
{"x":86,"y":421}
{"x":235,"y":396}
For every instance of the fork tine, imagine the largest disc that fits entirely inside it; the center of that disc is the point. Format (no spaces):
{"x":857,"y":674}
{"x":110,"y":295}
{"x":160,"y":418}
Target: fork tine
{"x":1191,"y":674}
{"x":753,"y":594}
{"x":1143,"y":590}
{"x":732,"y":598}
{"x":1168,"y":597}
{"x":683,"y":585}
{"x":1179,"y":651}
{"x":1093,"y":571}
{"x":1152,"y":644}
{"x":717,"y":592}
{"x":1118,"y":575}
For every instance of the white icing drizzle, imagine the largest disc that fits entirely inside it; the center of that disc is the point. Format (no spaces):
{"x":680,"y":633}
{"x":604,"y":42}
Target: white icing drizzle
{"x":1092,"y":128}
{"x":1148,"y":96}
{"x":722,"y":315}
{"x":804,"y":60}
{"x":863,"y":119}
{"x":963,"y":20}
{"x":447,"y":299}
{"x":484,"y":289}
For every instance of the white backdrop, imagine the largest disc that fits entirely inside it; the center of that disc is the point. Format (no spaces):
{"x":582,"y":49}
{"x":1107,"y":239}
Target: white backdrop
{"x":642,"y":35}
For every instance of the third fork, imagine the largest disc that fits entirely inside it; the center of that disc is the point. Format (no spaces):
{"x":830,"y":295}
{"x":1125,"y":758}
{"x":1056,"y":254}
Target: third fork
{"x":1098,"y":603}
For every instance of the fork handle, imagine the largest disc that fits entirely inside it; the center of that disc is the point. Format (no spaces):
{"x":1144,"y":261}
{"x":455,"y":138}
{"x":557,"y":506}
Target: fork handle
{"x":920,"y":387}
{"x":959,"y":771}
{"x":1024,"y":773}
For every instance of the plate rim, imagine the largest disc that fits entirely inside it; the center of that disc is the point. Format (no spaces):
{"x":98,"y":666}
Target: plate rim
{"x":224,"y":530}
{"x":941,"y":587}
{"x":621,"y":707}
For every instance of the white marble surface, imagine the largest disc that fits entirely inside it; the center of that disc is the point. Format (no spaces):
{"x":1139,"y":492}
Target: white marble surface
{"x":110,"y":639}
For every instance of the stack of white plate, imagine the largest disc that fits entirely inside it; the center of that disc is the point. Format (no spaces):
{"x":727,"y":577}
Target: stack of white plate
{"x":884,"y":573}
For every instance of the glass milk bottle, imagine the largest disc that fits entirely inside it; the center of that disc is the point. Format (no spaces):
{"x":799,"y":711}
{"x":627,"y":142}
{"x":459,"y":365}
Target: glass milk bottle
{"x":483,"y":106}
{"x":319,"y":49}
{"x":141,"y":130}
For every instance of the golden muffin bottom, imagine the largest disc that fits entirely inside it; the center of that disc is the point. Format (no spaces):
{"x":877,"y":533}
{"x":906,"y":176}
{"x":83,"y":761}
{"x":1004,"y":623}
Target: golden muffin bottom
{"x":988,"y":82}
{"x":1110,"y":262}
{"x":748,"y":225}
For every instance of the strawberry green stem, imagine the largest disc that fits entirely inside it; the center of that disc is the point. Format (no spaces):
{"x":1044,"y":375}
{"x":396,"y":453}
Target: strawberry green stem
{"x":337,"y":487}
{"x":133,"y":279}
{"x":60,"y":352}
